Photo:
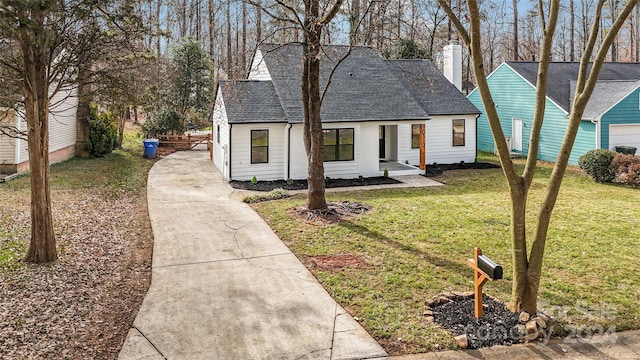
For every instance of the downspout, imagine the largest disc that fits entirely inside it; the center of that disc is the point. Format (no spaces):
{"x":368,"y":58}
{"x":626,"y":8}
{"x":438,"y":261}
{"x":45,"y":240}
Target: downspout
{"x":230,"y":157}
{"x":288,"y":152}
{"x":477,"y":117}
{"x":596,"y":122}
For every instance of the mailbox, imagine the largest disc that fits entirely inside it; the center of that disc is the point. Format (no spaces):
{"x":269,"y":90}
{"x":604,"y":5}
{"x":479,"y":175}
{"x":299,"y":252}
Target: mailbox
{"x":489,"y":267}
{"x":484,"y":269}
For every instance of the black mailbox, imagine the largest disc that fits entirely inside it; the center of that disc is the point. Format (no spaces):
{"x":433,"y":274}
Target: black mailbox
{"x":489,"y":267}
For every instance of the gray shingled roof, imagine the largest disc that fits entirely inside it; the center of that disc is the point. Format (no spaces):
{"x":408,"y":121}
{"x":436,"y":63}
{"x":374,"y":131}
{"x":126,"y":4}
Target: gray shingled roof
{"x":362,"y":88}
{"x":606,"y":94}
{"x":562,"y":73}
{"x":431,"y":88}
{"x":251,"y":102}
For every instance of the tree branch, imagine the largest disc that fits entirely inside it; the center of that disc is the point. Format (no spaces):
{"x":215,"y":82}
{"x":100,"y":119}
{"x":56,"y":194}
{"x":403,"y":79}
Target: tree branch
{"x":456,"y":22}
{"x":541,"y":90}
{"x":331,"y":14}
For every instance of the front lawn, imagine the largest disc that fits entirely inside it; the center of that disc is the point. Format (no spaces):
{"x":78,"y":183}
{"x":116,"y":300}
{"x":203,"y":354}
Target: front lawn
{"x":416,"y":242}
{"x":83,"y":305}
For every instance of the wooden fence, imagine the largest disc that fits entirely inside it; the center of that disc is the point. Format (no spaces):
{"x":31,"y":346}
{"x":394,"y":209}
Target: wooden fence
{"x":187,"y":142}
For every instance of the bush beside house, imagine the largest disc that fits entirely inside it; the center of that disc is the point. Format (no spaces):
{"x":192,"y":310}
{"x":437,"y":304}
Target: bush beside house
{"x":103,"y":132}
{"x":604,"y":165}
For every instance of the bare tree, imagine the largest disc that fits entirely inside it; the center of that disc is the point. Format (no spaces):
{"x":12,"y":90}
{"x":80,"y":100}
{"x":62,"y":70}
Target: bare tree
{"x":516,"y":56}
{"x":42,"y":57}
{"x":527,"y":265}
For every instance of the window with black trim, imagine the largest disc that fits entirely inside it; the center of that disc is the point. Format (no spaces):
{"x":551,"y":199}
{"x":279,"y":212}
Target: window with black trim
{"x":458,"y":132}
{"x":218,"y":133}
{"x":415,"y":136}
{"x":338,"y":144}
{"x":259,"y":146}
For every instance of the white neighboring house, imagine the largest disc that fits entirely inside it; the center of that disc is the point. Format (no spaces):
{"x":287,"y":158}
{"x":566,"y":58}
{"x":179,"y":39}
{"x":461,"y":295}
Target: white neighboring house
{"x":14,"y":155}
{"x":373,"y":115}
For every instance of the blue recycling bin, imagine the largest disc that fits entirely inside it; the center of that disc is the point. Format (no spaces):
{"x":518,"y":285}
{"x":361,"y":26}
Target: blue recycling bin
{"x":150,"y":148}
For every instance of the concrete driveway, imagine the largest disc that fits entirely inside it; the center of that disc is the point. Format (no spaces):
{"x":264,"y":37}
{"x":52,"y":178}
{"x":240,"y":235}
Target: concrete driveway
{"x":224,"y":286}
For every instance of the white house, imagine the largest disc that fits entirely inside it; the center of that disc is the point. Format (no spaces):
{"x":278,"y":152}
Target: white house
{"x":377,"y":114}
{"x":14,"y":155}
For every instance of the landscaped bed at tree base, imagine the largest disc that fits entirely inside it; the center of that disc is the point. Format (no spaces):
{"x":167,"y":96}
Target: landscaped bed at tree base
{"x":414,"y":245}
{"x":83,"y":305}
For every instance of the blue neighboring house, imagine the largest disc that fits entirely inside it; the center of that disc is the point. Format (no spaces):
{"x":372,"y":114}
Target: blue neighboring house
{"x":612,"y":117}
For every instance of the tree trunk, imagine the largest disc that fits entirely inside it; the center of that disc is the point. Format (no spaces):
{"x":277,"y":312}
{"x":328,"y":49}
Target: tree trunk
{"x":42,"y":247}
{"x":212,"y":23}
{"x":313,"y":137}
{"x":229,"y":57}
{"x":243,"y":51}
{"x":183,"y":16}
{"x":515,"y":45}
{"x":121,"y":123}
{"x":158,"y":28}
{"x":520,"y":298}
{"x":82,"y":117}
{"x":354,"y":19}
{"x":572,"y":31}
{"x":258,"y":22}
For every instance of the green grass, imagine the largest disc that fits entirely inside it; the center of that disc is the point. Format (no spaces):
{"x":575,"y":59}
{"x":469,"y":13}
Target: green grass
{"x":122,"y":173}
{"x":416,"y":242}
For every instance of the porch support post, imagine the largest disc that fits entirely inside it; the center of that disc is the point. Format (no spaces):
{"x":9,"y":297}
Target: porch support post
{"x":422,"y":147}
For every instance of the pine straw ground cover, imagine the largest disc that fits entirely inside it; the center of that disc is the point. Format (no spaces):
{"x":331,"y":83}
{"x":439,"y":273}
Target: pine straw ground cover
{"x":414,"y":244}
{"x":81,"y":306}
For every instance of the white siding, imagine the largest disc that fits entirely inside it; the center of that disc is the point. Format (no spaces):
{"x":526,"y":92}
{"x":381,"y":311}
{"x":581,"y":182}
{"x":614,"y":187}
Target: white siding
{"x":241,"y":166}
{"x":367,"y":150}
{"x":365,"y":163}
{"x":405,"y":152}
{"x":439,"y":140}
{"x":258,"y":70}
{"x":298,"y":156}
{"x":221,"y":140}
{"x":23,"y":144}
{"x":7,"y":144}
{"x":62,"y":120}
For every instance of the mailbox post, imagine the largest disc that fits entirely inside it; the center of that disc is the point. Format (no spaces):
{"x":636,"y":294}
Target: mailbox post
{"x":483,"y":269}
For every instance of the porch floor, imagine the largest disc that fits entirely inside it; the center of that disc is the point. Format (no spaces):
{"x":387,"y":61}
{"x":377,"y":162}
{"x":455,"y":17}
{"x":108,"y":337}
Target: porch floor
{"x":396,"y":168}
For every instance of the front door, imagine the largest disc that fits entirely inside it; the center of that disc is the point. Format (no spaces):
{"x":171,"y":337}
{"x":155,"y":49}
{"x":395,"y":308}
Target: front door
{"x":381,"y":145}
{"x":516,"y":134}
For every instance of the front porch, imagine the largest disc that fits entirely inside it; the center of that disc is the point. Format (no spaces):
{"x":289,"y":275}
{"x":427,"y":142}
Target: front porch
{"x":397,"y":169}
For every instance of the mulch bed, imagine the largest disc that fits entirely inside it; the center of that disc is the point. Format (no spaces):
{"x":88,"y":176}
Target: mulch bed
{"x":302,"y":184}
{"x":496,"y":327}
{"x":432,"y":170}
{"x":335,"y":212}
{"x":438,"y":169}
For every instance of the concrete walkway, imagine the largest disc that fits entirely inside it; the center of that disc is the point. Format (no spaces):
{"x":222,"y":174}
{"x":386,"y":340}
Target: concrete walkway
{"x":223,"y":284}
